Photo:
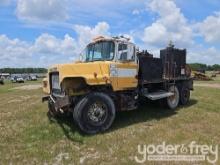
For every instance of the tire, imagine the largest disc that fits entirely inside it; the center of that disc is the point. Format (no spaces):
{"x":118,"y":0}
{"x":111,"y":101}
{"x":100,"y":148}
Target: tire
{"x":94,"y":113}
{"x":173,"y":101}
{"x":184,"y":94}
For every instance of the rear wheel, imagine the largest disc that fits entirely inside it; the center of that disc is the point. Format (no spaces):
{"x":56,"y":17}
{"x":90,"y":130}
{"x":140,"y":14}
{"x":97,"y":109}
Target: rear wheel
{"x":173,"y":101}
{"x":94,"y":113}
{"x":184,"y":94}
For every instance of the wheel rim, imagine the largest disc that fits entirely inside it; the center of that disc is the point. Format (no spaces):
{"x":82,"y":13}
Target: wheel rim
{"x":173,"y":100}
{"x":186,"y":95}
{"x":97,"y":113}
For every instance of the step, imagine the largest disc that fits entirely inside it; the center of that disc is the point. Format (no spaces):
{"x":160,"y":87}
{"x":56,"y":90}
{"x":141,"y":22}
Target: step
{"x":158,"y":95}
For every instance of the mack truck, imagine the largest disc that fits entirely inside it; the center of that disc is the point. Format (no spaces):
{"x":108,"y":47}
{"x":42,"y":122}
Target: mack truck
{"x":113,"y":75}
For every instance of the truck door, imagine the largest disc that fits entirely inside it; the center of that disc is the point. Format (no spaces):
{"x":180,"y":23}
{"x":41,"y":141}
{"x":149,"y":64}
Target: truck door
{"x":126,"y":66}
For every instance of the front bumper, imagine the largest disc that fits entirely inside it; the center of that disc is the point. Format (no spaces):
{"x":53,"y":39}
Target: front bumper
{"x":58,"y":102}
{"x":45,"y":98}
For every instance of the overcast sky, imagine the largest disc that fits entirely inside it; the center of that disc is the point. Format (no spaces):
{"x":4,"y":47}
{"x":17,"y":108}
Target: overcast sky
{"x":39,"y":33}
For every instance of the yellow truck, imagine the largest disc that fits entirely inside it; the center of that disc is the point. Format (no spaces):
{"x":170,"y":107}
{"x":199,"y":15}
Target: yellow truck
{"x":113,"y":75}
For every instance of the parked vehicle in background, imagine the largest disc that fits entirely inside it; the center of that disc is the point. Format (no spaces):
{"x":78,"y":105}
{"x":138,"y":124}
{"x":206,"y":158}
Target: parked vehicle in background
{"x":1,"y":81}
{"x":33,"y":78}
{"x":20,"y":80}
{"x":17,"y":80}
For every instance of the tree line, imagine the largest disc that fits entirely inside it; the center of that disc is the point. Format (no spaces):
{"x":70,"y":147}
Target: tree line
{"x":23,"y":70}
{"x":199,"y":66}
{"x":194,"y":66}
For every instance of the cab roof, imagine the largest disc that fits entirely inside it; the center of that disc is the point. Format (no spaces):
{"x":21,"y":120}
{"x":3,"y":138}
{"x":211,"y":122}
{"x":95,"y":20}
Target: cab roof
{"x":117,"y":39}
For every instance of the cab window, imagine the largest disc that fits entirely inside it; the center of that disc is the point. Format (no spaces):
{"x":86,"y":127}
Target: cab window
{"x":100,"y":51}
{"x":126,"y":52}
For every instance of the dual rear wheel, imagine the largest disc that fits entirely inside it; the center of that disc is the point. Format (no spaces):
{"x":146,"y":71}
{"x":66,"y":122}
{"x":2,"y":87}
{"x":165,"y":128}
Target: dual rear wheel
{"x":181,"y":96}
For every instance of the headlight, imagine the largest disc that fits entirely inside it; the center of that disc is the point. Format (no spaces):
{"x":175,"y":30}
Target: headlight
{"x":55,"y":83}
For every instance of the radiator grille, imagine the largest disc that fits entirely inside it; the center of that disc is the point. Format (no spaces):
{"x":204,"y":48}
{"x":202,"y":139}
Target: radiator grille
{"x":55,"y":83}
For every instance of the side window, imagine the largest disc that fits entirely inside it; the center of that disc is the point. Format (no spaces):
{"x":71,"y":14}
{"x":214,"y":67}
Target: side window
{"x":123,"y":52}
{"x":122,"y":47}
{"x":131,"y":52}
{"x":126,"y":52}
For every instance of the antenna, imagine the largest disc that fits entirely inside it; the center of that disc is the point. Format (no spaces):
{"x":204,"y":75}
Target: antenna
{"x":171,"y":45}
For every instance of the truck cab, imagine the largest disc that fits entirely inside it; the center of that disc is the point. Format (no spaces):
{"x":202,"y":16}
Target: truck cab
{"x":121,"y":55}
{"x":105,"y":61}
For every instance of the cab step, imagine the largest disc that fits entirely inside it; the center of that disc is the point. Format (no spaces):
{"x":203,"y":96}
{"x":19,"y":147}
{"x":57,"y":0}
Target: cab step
{"x":158,"y":95}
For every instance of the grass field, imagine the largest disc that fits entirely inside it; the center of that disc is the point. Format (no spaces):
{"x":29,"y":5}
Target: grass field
{"x":28,"y":136}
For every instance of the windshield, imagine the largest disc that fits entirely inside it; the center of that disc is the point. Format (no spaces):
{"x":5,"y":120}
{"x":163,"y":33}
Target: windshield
{"x":100,"y":51}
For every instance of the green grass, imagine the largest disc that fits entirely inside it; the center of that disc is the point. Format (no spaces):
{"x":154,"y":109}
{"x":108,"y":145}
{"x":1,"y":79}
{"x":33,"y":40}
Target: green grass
{"x":28,"y":136}
{"x":217,"y":79}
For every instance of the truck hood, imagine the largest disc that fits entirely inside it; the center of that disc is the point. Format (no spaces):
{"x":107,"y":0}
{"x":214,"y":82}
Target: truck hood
{"x":84,"y":70}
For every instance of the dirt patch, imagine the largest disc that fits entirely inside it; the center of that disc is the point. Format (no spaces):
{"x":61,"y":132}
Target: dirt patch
{"x":208,"y":85}
{"x":28,"y":87}
{"x":14,"y":101}
{"x":19,"y":99}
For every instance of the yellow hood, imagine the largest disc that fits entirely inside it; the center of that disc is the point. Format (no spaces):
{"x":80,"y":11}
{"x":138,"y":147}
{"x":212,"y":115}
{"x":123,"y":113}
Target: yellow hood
{"x":84,"y":70}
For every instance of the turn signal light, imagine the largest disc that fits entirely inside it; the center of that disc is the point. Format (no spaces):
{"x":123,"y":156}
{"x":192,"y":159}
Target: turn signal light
{"x":44,"y":84}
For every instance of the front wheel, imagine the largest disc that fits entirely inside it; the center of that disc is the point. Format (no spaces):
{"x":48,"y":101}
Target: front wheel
{"x":94,"y":113}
